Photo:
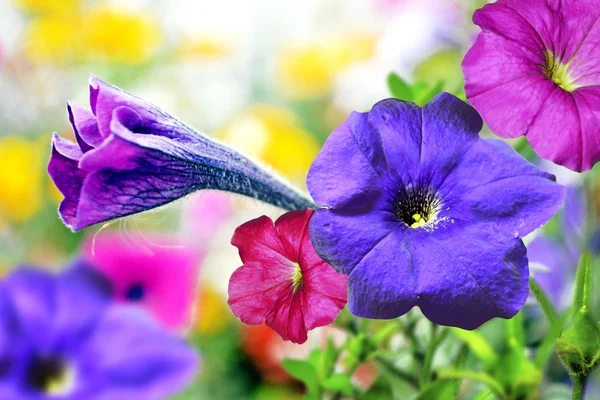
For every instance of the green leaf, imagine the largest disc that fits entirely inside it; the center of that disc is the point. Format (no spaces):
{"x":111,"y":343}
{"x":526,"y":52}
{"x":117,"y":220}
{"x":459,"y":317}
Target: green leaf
{"x":430,"y":93}
{"x":439,"y":390}
{"x":444,"y":65}
{"x":524,"y":148}
{"x":543,"y":301}
{"x":306,"y":373}
{"x":515,"y":332}
{"x":486,"y":394}
{"x":403,"y":384}
{"x":399,"y":88}
{"x":582,"y":296}
{"x":393,"y":372}
{"x":339,"y":383}
{"x":328,"y":359}
{"x":545,"y":349}
{"x":492,"y":383}
{"x":388,"y":329}
{"x":479,"y":346}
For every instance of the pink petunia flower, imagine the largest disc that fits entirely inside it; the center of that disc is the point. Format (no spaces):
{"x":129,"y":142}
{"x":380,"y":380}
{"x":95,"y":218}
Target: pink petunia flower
{"x":283,"y":282}
{"x":156,"y":273}
{"x":535,"y":71}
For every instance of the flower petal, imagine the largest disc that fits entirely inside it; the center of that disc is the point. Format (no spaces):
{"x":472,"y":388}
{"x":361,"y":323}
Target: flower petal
{"x":561,"y":267}
{"x":346,"y":170}
{"x":266,"y":276}
{"x":384,"y":283}
{"x":56,"y":309}
{"x":292,"y":230}
{"x":68,"y":178}
{"x":587,"y":101}
{"x":343,"y":239}
{"x":566,"y":146}
{"x":287,"y":317}
{"x":565,"y":26}
{"x":468,"y":276}
{"x":399,"y":124}
{"x":258,"y":241}
{"x":574,"y":212}
{"x":143,"y":361}
{"x":503,"y":70}
{"x":256,"y":289}
{"x":146,"y":179}
{"x":85,"y":127}
{"x":450,"y":126}
{"x":493,"y":183}
{"x":325,"y":293}
{"x":166,"y":270}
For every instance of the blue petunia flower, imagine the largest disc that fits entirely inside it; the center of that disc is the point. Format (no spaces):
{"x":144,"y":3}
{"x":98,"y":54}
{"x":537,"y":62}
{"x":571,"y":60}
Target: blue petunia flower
{"x":130,"y":157}
{"x":61,"y":338}
{"x":418,"y":210}
{"x":560,"y":255}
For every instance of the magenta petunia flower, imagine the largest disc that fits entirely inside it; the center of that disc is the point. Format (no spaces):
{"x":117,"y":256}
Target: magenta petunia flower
{"x":131,"y":157}
{"x":283,"y":282}
{"x":535,"y":71}
{"x":154,"y":273}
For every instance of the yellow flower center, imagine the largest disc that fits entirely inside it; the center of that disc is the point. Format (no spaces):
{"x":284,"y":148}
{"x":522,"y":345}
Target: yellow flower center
{"x":297,"y":280}
{"x":559,"y":73}
{"x":51,"y":376}
{"x":419,"y":221}
{"x":417,"y":206}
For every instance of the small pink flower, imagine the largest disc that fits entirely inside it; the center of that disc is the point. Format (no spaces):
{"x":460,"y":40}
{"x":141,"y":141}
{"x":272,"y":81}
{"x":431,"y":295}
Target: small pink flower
{"x":283,"y":282}
{"x":155,"y":273}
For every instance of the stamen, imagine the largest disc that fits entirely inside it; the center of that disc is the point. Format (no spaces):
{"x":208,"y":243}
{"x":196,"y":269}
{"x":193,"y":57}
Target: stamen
{"x":417,"y":206}
{"x":558,"y":72}
{"x":297,"y":280}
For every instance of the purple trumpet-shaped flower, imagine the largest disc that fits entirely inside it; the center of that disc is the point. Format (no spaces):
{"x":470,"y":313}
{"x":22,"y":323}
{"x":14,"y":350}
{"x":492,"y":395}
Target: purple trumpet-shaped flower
{"x":418,"y":210}
{"x":61,"y":338}
{"x":130,"y":157}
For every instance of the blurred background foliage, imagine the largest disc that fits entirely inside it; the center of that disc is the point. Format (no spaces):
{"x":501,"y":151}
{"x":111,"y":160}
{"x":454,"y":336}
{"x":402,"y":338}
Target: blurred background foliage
{"x":273,"y":79}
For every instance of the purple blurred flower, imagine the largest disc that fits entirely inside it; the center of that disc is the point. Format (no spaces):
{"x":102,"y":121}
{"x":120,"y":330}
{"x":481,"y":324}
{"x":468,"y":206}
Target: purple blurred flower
{"x":560,"y":255}
{"x":535,"y":70}
{"x":421,"y":211}
{"x":131,"y":157}
{"x":61,"y":338}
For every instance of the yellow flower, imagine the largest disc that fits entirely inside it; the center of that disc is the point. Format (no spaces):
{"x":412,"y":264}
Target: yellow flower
{"x":309,"y":70}
{"x":52,"y":38}
{"x":276,"y":136}
{"x":203,"y":47}
{"x":212,"y":312}
{"x":45,"y":6}
{"x":120,"y":36}
{"x":21,"y":178}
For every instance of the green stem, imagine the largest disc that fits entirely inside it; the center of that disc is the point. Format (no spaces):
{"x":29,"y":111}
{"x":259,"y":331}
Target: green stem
{"x":434,"y":342}
{"x":579,"y":384}
{"x":544,"y":302}
{"x":398,"y":372}
{"x":583,"y":283}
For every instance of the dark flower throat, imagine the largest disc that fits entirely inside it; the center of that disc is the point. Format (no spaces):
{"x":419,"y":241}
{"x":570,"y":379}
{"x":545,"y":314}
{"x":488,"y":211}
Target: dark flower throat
{"x":46,"y":375}
{"x":416,"y":206}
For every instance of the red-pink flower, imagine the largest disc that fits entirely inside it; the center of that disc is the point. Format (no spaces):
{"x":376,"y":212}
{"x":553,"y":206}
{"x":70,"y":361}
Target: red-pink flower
{"x":283,"y":282}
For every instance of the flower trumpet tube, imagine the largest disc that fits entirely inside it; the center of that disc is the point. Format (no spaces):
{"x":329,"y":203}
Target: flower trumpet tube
{"x":131,"y":157}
